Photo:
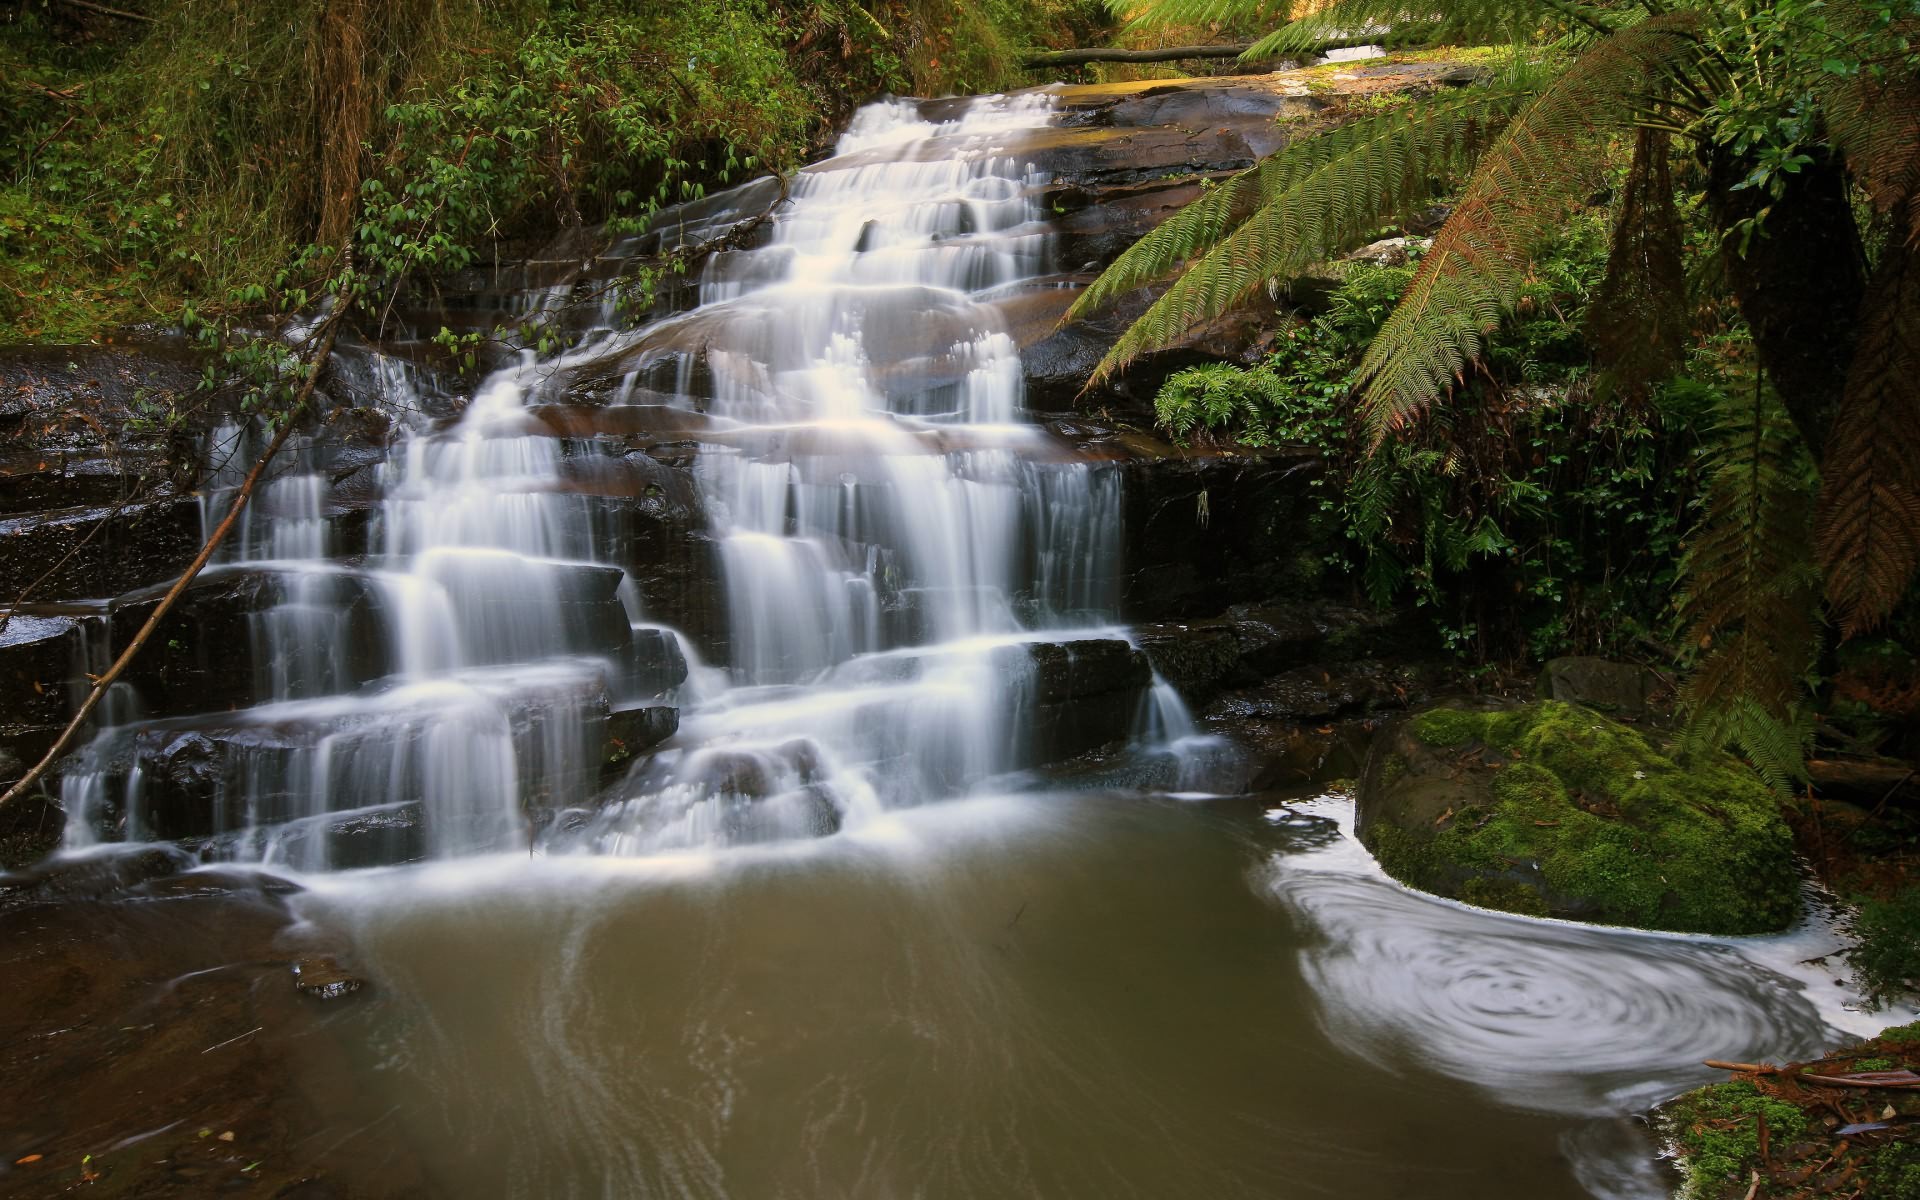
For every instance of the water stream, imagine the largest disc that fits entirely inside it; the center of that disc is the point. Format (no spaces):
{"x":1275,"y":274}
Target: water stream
{"x":827,"y":939}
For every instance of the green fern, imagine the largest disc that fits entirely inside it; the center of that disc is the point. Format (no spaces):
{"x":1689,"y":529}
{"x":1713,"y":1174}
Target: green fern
{"x":1303,"y":204}
{"x":1749,"y":591}
{"x":1545,"y":164}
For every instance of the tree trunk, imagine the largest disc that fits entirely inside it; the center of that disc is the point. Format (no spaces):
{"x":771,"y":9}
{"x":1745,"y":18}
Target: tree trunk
{"x":1799,"y":284}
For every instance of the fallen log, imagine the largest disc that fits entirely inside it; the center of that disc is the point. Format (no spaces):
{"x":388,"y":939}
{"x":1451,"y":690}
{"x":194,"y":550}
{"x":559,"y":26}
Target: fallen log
{"x":1094,"y":54}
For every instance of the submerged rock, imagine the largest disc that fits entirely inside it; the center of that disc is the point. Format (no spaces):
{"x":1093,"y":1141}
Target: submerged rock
{"x":322,"y":977}
{"x":1551,"y":809}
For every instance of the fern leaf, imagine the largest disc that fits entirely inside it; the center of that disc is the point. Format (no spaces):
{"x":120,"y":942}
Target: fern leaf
{"x":1543,"y":167}
{"x":1869,"y":526}
{"x":1306,"y":202}
{"x":1748,"y":590}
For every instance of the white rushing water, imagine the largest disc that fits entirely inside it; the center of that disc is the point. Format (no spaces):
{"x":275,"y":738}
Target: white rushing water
{"x":893,"y":535}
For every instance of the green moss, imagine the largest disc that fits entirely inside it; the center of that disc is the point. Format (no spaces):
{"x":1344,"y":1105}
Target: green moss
{"x":1504,"y":895}
{"x":1717,"y":1131}
{"x":1449,"y":726}
{"x":1902,"y":1033}
{"x":1893,"y":1173}
{"x":1611,"y":826}
{"x":1393,"y":768}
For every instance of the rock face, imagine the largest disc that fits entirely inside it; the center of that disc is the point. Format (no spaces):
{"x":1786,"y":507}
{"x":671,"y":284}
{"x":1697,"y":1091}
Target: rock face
{"x":1620,"y":689}
{"x":1551,"y":809}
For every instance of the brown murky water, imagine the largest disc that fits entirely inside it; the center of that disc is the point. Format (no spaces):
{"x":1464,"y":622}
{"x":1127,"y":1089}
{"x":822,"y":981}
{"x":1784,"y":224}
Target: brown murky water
{"x":1052,"y":996}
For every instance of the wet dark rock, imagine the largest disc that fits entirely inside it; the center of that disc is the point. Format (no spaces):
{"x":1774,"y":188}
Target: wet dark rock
{"x":31,"y":826}
{"x":77,"y":400}
{"x":1079,"y":695}
{"x":1250,"y":645}
{"x":1205,"y":531}
{"x":321,"y":977}
{"x":634,"y":731}
{"x":38,"y":655}
{"x":95,"y":552}
{"x":1617,"y":689}
{"x":1321,"y":693}
{"x":99,"y":876}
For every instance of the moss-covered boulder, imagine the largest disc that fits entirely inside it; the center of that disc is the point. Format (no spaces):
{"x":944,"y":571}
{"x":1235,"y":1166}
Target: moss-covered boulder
{"x":1551,"y":809}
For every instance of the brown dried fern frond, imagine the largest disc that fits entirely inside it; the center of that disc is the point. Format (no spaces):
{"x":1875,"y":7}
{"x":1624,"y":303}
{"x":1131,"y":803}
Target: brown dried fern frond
{"x":1638,"y":322}
{"x":1869,"y":523}
{"x":1873,"y":117}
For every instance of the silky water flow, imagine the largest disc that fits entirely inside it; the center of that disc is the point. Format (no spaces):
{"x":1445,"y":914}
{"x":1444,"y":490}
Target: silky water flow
{"x":832,"y":937}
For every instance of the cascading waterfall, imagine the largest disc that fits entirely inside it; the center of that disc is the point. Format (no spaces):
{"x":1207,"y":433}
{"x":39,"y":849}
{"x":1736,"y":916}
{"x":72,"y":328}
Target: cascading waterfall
{"x":898,"y":548}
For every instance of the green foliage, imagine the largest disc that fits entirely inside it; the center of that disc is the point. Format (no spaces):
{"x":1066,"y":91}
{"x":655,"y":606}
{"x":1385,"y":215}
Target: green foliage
{"x":1717,"y":1131}
{"x":1536,"y":520}
{"x":1523,"y":189}
{"x":195,"y":158}
{"x":1886,"y":954}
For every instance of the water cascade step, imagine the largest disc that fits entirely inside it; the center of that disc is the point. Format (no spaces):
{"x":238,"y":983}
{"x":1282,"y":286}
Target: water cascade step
{"x":763,"y":567}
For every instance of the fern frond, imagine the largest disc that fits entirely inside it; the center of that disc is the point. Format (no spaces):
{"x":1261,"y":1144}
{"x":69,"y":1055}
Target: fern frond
{"x":1869,"y":526}
{"x":1637,"y":322}
{"x":1301,"y":205}
{"x":1543,"y":167}
{"x":1461,"y":22}
{"x":1748,"y":590}
{"x":1873,"y":117}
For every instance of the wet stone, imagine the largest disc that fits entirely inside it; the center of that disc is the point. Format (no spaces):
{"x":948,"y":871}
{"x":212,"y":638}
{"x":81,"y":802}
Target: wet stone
{"x":323,"y":978}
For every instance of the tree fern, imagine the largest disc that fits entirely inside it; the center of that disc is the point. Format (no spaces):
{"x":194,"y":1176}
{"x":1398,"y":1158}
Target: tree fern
{"x":1870,"y":501}
{"x":1544,"y":165}
{"x":1301,"y":205}
{"x":1749,"y":590}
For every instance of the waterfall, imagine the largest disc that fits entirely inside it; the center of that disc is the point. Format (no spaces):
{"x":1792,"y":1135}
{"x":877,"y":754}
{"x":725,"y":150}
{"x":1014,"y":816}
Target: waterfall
{"x":918,"y":583}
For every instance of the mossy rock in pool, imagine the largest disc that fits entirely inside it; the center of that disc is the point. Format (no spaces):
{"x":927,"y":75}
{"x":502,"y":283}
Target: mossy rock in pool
{"x":1551,"y":809}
